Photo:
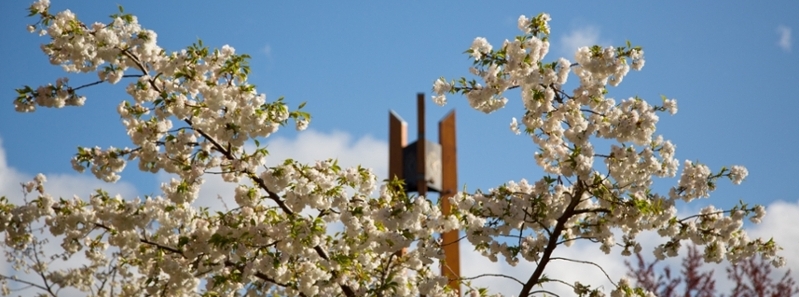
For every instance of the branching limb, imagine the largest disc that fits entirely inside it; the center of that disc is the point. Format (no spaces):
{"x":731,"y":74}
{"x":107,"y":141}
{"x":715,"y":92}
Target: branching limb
{"x":553,"y":239}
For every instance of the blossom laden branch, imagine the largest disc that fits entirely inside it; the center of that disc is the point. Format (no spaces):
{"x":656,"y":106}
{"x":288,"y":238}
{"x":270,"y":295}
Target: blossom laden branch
{"x":563,"y":125}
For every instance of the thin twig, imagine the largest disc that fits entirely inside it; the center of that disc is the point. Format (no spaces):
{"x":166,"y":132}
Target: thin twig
{"x":491,"y":275}
{"x":587,"y":262}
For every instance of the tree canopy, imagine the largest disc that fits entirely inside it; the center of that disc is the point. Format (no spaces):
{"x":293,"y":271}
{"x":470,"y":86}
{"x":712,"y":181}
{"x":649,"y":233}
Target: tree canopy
{"x":192,"y":113}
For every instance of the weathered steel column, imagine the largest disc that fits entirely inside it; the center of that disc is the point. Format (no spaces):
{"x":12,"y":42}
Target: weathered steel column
{"x":397,"y":140}
{"x":421,"y":176}
{"x":449,"y":187}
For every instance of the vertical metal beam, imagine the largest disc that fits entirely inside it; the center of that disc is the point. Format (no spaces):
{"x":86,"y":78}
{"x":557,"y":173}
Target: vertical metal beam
{"x":397,"y":139}
{"x":421,"y":183}
{"x":449,"y":187}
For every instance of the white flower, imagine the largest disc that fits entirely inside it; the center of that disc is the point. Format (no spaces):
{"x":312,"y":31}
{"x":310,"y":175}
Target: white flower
{"x":480,"y":47}
{"x":514,"y":126}
{"x":40,"y":6}
{"x":760,"y":212}
{"x":638,"y":64}
{"x":302,"y":124}
{"x":778,"y":262}
{"x":40,"y":178}
{"x":638,"y":59}
{"x":524,"y":24}
{"x":670,"y":105}
{"x":441,"y":86}
{"x":738,"y":174}
{"x":440,"y":100}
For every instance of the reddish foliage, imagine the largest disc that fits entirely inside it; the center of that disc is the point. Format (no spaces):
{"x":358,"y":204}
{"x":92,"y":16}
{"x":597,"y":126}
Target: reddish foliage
{"x":752,"y":278}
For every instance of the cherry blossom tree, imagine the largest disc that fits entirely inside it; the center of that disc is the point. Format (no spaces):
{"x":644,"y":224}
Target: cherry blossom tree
{"x":192,"y":113}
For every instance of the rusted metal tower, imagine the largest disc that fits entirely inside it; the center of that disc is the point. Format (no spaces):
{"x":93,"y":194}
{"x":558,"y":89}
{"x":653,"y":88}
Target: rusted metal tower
{"x":428,"y":166}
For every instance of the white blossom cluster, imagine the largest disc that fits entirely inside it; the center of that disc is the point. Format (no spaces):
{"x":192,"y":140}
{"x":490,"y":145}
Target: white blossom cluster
{"x":193,"y":111}
{"x":191,"y":114}
{"x":588,"y":193}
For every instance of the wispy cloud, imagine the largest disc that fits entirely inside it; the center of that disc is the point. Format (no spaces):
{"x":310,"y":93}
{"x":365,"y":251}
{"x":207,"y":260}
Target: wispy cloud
{"x":785,"y":37}
{"x":267,"y":50}
{"x":308,"y":147}
{"x":579,"y":37}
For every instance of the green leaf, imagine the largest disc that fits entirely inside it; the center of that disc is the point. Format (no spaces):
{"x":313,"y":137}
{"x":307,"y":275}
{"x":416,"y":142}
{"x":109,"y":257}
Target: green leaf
{"x":183,"y":240}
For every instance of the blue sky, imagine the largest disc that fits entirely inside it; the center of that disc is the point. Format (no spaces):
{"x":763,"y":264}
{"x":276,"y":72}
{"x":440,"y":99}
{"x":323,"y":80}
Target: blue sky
{"x":731,"y":66}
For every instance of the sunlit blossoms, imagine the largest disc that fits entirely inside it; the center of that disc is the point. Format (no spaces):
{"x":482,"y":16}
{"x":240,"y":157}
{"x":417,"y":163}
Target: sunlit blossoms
{"x":192,"y":114}
{"x":589,"y":193}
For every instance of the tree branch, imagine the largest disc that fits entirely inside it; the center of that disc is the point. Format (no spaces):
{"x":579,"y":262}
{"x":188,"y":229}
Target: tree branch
{"x":553,"y":239}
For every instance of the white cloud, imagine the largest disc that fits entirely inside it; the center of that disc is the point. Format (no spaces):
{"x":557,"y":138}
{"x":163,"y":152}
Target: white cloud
{"x":579,"y":37}
{"x":311,"y":145}
{"x":308,"y":147}
{"x":785,"y":38}
{"x":58,"y":185}
{"x":267,"y":50}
